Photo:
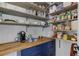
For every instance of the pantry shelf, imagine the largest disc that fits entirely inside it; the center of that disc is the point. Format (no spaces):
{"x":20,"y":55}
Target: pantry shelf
{"x":42,"y":3}
{"x":68,"y":31}
{"x":21,"y":24}
{"x":58,"y":22}
{"x":17,"y":13}
{"x":27,"y":5}
{"x":54,"y":3}
{"x":67,"y":40}
{"x":64,"y":9}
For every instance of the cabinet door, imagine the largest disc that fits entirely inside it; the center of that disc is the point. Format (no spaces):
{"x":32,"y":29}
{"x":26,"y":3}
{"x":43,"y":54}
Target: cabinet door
{"x":52,"y":48}
{"x":63,"y":48}
{"x":48,"y":49}
{"x":44,"y":48}
{"x":30,"y":51}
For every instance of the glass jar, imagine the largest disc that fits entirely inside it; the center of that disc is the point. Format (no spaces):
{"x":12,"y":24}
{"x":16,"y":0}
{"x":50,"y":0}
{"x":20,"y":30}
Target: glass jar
{"x":54,"y":27}
{"x":63,"y":27}
{"x":69,"y":15}
{"x":65,"y":36}
{"x":62,"y":16}
{"x":58,"y":18}
{"x":59,"y":27}
{"x":65,"y":16}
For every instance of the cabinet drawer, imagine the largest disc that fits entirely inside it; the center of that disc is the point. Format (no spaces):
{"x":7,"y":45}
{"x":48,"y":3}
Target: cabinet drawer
{"x":30,"y":51}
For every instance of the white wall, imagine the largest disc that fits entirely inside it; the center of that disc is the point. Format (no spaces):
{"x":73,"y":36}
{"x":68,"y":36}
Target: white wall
{"x":9,"y":32}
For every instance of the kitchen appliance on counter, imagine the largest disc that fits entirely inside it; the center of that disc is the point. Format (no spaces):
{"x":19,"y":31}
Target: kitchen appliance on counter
{"x":22,"y":36}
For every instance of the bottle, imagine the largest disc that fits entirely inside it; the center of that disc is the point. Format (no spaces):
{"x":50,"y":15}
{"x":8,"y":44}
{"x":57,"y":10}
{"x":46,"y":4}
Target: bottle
{"x":69,"y":37}
{"x":54,"y":8}
{"x":62,"y":16}
{"x":69,"y":15}
{"x":65,"y":17}
{"x":58,"y":18}
{"x":36,"y":13}
{"x":17,"y":39}
{"x":30,"y":38}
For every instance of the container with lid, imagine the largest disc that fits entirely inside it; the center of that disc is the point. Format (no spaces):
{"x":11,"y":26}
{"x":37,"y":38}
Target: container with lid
{"x":65,"y":36}
{"x":59,"y":27}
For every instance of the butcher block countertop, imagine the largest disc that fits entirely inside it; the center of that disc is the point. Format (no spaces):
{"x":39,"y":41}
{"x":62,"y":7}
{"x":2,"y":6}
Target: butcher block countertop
{"x":17,"y":46}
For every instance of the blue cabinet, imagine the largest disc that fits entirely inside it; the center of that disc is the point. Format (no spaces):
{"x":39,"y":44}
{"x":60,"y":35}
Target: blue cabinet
{"x":31,"y":51}
{"x":45,"y":49}
{"x":48,"y":49}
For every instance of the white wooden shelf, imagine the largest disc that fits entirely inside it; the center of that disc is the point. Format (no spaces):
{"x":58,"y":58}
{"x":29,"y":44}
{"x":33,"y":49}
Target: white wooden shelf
{"x":67,"y":40}
{"x":21,"y":24}
{"x":27,"y":5}
{"x":71,"y":7}
{"x":17,"y":13}
{"x":60,"y":22}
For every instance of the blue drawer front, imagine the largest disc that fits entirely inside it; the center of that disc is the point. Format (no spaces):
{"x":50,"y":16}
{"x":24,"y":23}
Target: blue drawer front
{"x":46,"y":49}
{"x":30,"y":51}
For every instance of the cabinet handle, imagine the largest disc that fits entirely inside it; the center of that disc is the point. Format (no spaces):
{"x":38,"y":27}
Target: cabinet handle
{"x":59,"y":43}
